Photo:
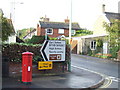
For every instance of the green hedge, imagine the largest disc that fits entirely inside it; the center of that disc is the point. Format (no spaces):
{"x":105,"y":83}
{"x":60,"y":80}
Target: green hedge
{"x":14,"y":51}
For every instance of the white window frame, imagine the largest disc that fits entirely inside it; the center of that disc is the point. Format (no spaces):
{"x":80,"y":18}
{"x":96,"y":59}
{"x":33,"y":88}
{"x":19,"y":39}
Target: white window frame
{"x":93,"y":45}
{"x":46,"y":30}
{"x":73,"y":32}
{"x":61,"y":31}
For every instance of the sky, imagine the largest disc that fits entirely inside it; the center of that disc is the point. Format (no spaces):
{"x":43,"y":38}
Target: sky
{"x":27,"y":13}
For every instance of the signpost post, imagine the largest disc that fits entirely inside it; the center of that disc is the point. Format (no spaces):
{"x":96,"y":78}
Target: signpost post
{"x":53,"y":50}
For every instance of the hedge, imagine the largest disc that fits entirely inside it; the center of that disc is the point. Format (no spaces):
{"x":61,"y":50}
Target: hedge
{"x":14,"y":51}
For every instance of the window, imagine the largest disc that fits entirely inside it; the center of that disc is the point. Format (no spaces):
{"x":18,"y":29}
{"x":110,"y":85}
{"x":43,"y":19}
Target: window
{"x":93,"y":45}
{"x":61,"y":31}
{"x":72,"y":32}
{"x":49,"y":31}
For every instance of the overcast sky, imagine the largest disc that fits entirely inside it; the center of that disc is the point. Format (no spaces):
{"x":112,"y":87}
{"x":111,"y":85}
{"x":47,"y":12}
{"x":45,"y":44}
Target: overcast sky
{"x":85,"y":12}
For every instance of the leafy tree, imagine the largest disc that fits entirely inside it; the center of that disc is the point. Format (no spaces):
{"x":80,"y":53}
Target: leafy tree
{"x":7,"y":28}
{"x":21,"y":33}
{"x":114,"y":36}
{"x":114,"y":32}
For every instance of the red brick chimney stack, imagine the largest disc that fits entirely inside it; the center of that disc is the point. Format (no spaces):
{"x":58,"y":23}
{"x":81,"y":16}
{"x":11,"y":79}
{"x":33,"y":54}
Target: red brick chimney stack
{"x":46,"y":19}
{"x":67,"y":20}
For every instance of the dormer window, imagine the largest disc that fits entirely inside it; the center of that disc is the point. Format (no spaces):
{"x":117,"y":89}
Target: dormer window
{"x":49,"y":31}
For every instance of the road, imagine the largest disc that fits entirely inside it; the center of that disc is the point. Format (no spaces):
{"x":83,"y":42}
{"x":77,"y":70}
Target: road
{"x":109,"y":69}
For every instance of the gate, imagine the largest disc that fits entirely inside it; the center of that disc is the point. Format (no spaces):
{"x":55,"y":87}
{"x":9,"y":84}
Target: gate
{"x":74,"y":46}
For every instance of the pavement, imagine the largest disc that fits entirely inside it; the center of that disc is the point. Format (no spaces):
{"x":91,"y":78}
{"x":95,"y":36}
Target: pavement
{"x":76,"y":79}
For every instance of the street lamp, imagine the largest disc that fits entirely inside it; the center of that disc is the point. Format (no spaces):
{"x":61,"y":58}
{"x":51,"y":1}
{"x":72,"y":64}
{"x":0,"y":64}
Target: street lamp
{"x":70,"y":23}
{"x":70,"y":28}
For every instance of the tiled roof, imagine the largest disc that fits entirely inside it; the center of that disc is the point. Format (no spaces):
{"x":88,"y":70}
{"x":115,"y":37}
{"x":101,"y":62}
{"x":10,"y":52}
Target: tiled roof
{"x":111,"y":15}
{"x":59,"y":25}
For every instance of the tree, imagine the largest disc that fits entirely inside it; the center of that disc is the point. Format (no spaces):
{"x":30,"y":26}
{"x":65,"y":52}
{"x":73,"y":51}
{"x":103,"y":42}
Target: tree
{"x":113,"y":30}
{"x":23,"y":32}
{"x":7,"y":28}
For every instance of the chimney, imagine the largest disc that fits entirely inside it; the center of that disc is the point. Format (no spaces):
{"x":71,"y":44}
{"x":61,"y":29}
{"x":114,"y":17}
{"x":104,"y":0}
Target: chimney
{"x":67,"y":20}
{"x":46,"y":19}
{"x":103,"y":8}
{"x":119,"y":7}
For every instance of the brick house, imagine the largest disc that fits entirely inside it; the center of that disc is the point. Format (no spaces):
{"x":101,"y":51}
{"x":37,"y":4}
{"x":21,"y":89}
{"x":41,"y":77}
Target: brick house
{"x":55,"y":29}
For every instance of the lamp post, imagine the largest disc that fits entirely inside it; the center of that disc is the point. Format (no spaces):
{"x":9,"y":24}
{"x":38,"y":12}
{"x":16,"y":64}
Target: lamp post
{"x":70,"y":23}
{"x":70,"y":28}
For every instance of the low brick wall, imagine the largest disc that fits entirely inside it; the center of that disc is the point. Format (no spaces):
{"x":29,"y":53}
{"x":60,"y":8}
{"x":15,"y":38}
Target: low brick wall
{"x":15,"y":69}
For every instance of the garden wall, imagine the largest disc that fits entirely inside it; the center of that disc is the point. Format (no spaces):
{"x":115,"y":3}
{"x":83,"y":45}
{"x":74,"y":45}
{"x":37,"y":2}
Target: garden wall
{"x":14,"y":54}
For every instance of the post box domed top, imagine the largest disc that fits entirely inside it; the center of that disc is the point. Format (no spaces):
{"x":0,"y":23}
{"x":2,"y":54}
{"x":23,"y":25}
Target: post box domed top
{"x":27,"y":53}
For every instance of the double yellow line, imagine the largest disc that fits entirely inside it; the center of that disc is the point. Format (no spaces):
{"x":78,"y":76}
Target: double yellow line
{"x":108,"y":83}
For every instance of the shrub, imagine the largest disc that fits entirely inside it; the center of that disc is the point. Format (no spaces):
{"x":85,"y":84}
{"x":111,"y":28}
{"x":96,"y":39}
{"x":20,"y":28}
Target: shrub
{"x":114,"y":51}
{"x":100,"y":55}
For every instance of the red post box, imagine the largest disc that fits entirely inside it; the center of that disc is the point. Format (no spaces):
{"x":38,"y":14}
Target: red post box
{"x":27,"y":67}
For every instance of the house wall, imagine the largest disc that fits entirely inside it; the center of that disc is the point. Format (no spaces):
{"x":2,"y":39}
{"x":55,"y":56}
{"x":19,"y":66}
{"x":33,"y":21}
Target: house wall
{"x":41,"y":32}
{"x":80,"y":44}
{"x":84,"y":45}
{"x":98,"y":26}
{"x":11,"y":39}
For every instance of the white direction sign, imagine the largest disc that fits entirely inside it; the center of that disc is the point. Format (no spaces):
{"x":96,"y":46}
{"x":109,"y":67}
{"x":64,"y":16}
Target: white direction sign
{"x":53,"y":50}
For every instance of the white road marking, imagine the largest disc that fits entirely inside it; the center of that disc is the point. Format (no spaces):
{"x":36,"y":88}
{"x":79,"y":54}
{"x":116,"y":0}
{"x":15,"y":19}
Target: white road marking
{"x":88,"y":70}
{"x":111,"y":77}
{"x":114,"y":79}
{"x":103,"y":75}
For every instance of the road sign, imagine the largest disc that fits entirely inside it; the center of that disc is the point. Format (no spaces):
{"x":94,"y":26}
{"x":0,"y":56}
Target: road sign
{"x":45,"y":65}
{"x":53,"y":50}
